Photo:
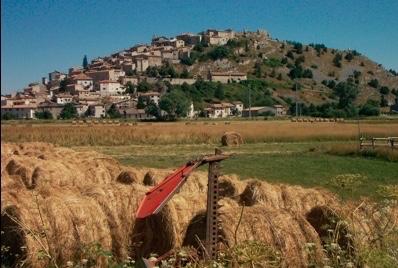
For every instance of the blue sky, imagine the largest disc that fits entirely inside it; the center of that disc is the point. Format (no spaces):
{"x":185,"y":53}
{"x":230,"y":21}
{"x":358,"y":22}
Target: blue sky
{"x":40,"y":36}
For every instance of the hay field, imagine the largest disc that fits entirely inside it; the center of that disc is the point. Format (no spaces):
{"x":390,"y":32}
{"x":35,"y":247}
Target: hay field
{"x":56,"y":202}
{"x":199,"y":132}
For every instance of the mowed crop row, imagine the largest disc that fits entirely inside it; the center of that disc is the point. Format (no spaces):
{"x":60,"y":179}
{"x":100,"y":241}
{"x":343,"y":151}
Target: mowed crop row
{"x":191,"y":133}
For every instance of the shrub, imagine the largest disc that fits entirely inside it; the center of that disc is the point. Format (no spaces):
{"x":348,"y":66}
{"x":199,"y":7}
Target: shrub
{"x":307,"y":73}
{"x":384,"y":90}
{"x":374,"y":83}
{"x":273,"y":62}
{"x":290,"y":55}
{"x":219,"y":52}
{"x":370,"y":108}
{"x":44,"y":115}
{"x":68,"y":112}
{"x":337,"y":60}
{"x":349,"y":56}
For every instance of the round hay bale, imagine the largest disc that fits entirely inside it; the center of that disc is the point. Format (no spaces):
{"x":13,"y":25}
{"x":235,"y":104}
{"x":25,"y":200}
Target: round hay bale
{"x":149,"y":179}
{"x":127,"y":177}
{"x":231,"y":138}
{"x":323,"y":219}
{"x":252,"y":194}
{"x":229,"y":187}
{"x":154,"y":234}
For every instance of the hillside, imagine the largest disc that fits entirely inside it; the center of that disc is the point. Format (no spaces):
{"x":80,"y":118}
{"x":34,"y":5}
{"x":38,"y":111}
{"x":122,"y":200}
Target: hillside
{"x":272,"y":60}
{"x":221,"y":73}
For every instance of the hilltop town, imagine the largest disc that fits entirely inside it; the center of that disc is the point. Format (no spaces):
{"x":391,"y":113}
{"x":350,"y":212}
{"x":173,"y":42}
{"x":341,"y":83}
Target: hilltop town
{"x":214,"y":74}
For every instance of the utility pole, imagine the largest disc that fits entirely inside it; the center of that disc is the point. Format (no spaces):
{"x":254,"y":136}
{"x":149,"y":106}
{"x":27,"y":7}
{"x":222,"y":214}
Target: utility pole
{"x":250,"y":104}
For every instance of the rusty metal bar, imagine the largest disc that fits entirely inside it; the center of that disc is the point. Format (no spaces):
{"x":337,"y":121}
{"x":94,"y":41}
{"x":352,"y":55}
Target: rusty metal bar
{"x":211,"y":242}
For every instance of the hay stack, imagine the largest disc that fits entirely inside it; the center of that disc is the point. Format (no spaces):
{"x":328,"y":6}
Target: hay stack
{"x":280,"y":230}
{"x":86,"y":197}
{"x":231,"y":138}
{"x":149,"y":179}
{"x":127,"y":177}
{"x":294,"y":198}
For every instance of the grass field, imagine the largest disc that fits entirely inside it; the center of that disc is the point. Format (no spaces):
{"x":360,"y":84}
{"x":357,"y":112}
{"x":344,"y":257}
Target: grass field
{"x":302,"y":163}
{"x":276,"y":151}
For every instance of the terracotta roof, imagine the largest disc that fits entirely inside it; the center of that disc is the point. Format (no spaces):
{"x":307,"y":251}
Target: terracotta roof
{"x":49,"y":104}
{"x":20,"y":106}
{"x":254,"y":108}
{"x":82,"y":76}
{"x":107,"y":82}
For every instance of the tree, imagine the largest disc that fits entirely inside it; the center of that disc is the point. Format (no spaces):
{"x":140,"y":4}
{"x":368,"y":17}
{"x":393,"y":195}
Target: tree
{"x":142,"y":102}
{"x":85,"y":62}
{"x":219,"y":52}
{"x":347,"y":93}
{"x":219,"y":92}
{"x":185,"y":73}
{"x":43,"y":115}
{"x":384,"y":90}
{"x":144,"y":86}
{"x":296,"y":72}
{"x":349,"y":56}
{"x":69,"y":111}
{"x":113,"y":112}
{"x":383,"y":101}
{"x":258,"y":69}
{"x":7,"y":116}
{"x":289,"y":54}
{"x":374,"y":83}
{"x":298,"y":47}
{"x":152,"y":71}
{"x":370,"y":108}
{"x":187,"y":61}
{"x":307,"y":73}
{"x":337,"y":60}
{"x":153,"y":109}
{"x":62,"y":85}
{"x":175,"y":104}
{"x":299,"y":60}
{"x":130,"y":88}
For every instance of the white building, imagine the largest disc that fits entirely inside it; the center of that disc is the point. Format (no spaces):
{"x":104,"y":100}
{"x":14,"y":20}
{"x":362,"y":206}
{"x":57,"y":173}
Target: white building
{"x":20,"y":111}
{"x":109,"y":88}
{"x":85,"y":81}
{"x":97,"y":110}
{"x":63,"y":98}
{"x":219,"y":110}
{"x":153,"y":96}
{"x":238,"y":106}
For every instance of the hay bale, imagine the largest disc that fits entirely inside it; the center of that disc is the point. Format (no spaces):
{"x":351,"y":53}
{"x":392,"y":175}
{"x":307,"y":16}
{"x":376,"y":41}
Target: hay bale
{"x":230,"y":187}
{"x":231,"y":138}
{"x":149,"y":179}
{"x":127,"y":177}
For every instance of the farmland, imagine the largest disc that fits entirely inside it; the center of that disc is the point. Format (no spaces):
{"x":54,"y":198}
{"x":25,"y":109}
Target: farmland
{"x":275,"y":151}
{"x":91,"y":189}
{"x":193,"y":132}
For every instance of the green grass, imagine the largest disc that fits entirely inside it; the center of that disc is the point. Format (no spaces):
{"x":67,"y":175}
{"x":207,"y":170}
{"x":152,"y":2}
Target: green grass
{"x":303,"y":164}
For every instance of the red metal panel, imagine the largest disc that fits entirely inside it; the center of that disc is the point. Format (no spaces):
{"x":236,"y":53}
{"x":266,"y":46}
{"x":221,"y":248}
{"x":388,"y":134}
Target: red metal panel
{"x":157,"y":197}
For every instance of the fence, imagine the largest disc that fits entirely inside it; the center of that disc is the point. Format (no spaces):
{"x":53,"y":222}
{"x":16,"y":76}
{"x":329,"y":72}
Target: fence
{"x":379,"y":142}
